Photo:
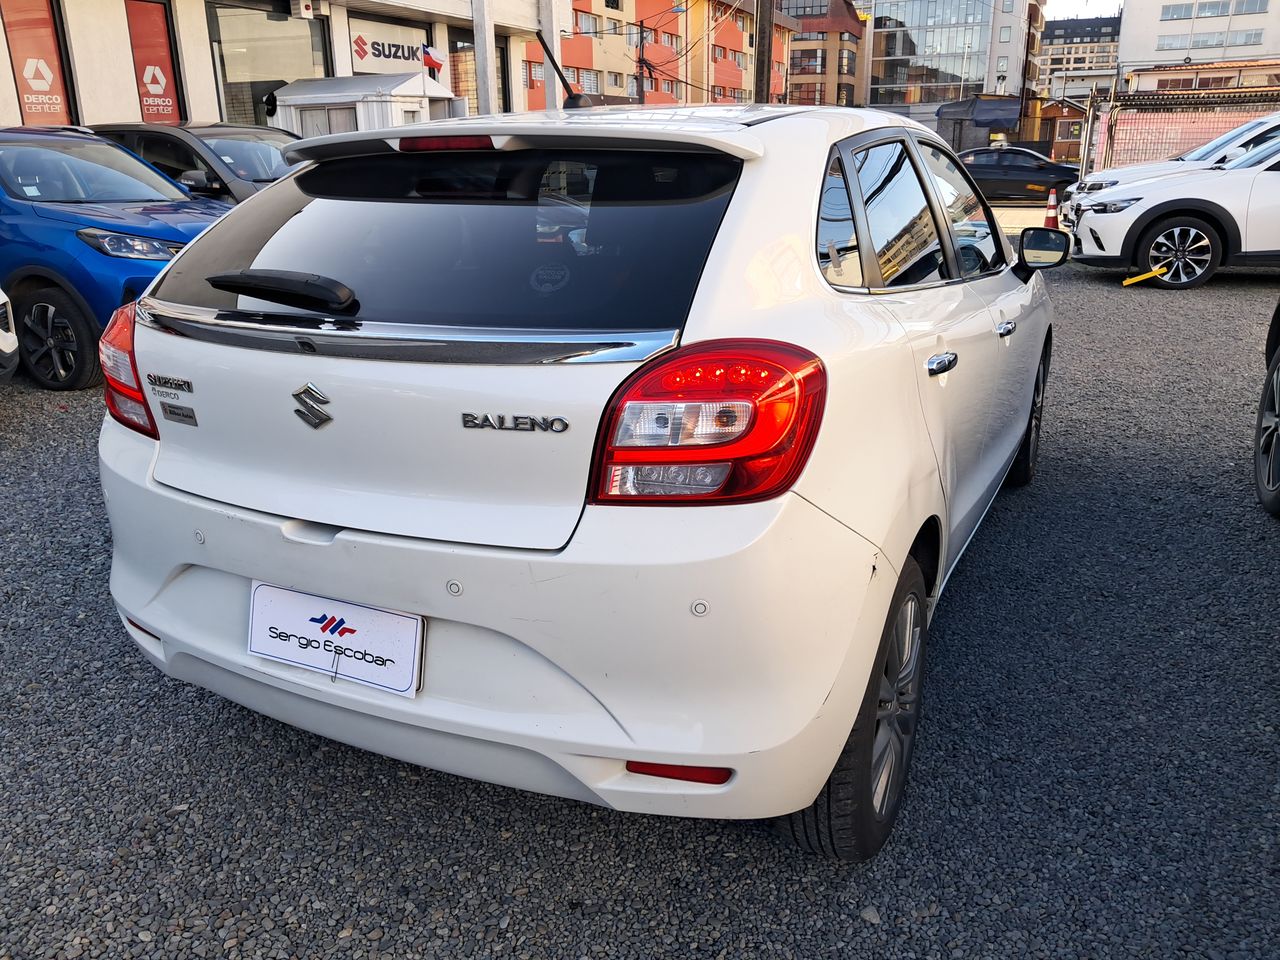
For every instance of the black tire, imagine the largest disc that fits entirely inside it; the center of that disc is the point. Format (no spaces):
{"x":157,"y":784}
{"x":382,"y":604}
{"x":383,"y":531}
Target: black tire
{"x":58,"y":341}
{"x":851,"y":819}
{"x":1266,"y":442}
{"x":1023,"y":470}
{"x":1179,"y":244}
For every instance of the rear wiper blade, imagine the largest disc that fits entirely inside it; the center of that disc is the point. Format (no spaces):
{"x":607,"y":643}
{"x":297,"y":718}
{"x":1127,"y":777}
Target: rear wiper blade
{"x":307,"y":291}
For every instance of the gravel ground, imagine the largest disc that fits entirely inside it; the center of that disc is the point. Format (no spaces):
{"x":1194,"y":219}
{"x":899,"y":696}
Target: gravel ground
{"x":1096,"y":775}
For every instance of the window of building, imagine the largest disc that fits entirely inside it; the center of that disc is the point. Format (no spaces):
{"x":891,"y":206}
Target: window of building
{"x":1215,"y":39}
{"x":1244,"y":38}
{"x":632,"y":90}
{"x":1177,"y":11}
{"x":1175,"y":83}
{"x":1006,"y":34}
{"x":837,"y":237}
{"x":806,"y":94}
{"x":587,"y":23}
{"x":1007,"y":6}
{"x":1251,"y":6}
{"x":615,"y":79}
{"x":613,"y":4}
{"x":1215,"y":83}
{"x":978,"y":248}
{"x":1002,"y":64}
{"x":820,"y":35}
{"x":848,"y":62}
{"x":590,"y":80}
{"x":902,"y":231}
{"x":571,"y":74}
{"x":718,"y":92}
{"x":613,"y":26}
{"x":809,"y":61}
{"x":847,"y":37}
{"x":1214,"y":8}
{"x":666,"y":86}
{"x":258,"y":52}
{"x":739,"y":58}
{"x":740,"y":21}
{"x":1070,"y":130}
{"x":1173,"y":41}
{"x":650,"y":36}
{"x":717,"y":52}
{"x":649,"y":83}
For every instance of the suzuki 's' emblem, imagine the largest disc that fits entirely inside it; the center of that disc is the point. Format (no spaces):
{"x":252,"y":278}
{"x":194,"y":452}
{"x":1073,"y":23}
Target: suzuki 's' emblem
{"x":309,"y":409}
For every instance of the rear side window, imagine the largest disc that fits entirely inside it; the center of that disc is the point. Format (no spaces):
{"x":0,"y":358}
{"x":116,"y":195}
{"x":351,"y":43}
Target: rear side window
{"x":554,"y":239}
{"x":902,"y":228}
{"x":837,"y":234}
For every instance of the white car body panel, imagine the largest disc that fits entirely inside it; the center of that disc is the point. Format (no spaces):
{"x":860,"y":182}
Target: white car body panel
{"x":8,"y":339}
{"x":563,"y":639}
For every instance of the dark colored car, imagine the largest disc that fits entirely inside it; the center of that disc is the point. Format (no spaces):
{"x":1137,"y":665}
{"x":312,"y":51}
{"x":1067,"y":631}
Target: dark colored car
{"x":216,"y":160}
{"x":1012,"y":173}
{"x":1266,"y":438}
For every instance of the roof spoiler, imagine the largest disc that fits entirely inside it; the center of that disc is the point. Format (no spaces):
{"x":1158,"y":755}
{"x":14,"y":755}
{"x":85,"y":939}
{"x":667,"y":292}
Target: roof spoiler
{"x":600,"y":133}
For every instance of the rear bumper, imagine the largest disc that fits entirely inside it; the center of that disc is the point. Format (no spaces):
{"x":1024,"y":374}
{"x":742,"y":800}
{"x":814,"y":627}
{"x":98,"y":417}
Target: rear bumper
{"x":551,"y":669}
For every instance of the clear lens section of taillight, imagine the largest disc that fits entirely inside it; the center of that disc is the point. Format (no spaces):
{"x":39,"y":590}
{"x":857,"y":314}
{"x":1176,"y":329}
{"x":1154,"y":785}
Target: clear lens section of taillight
{"x":727,"y":421}
{"x":123,"y":388}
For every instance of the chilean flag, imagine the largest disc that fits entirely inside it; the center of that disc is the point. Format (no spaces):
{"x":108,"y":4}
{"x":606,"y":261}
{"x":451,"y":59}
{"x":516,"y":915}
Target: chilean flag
{"x":431,"y":58}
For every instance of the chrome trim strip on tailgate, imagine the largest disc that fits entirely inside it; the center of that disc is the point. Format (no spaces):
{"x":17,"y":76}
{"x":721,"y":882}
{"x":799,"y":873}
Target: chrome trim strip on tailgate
{"x":421,"y":343}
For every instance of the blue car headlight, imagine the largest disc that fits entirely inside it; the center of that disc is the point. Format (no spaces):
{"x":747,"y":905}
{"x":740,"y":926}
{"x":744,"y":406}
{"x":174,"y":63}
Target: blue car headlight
{"x":126,"y":245}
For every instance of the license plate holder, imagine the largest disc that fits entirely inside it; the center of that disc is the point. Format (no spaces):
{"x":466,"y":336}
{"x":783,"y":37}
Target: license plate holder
{"x":350,"y":641}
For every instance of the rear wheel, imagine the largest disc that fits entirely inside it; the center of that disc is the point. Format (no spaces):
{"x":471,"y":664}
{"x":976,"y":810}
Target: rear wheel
{"x":57,"y":341}
{"x":1186,"y":248}
{"x":855,"y":810}
{"x":1266,"y":442}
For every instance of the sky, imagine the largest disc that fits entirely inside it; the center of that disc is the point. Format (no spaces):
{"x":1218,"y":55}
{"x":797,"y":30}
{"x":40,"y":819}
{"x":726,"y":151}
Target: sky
{"x":1060,"y":9}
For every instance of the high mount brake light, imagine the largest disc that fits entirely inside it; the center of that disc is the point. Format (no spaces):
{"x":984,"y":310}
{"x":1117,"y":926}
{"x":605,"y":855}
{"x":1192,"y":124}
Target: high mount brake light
{"x":123,"y":390}
{"x":727,"y":421}
{"x":422,"y":144}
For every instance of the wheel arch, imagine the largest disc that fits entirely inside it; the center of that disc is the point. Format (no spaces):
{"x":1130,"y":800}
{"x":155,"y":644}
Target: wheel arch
{"x":30,"y":279}
{"x":926,"y":551}
{"x":1273,"y":336}
{"x":1211,"y":213}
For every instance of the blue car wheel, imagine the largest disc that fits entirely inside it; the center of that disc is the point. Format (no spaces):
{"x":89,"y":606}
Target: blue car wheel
{"x":58,"y":343}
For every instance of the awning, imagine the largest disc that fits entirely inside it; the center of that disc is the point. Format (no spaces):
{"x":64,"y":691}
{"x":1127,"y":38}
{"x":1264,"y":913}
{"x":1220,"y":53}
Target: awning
{"x":364,"y":87}
{"x":999,"y":113}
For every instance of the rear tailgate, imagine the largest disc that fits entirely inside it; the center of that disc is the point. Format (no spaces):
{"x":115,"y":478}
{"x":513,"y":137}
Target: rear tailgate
{"x":497,"y":303}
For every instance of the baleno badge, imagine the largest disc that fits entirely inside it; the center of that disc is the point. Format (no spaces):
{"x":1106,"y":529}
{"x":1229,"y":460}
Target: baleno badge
{"x":309,"y":409}
{"x":486,"y":421}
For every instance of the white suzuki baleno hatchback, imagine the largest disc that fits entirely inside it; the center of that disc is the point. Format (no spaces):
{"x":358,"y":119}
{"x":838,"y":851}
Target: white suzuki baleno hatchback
{"x":615,"y":455}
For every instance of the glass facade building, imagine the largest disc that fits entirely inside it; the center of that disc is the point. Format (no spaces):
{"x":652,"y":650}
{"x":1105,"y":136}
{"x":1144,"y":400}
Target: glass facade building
{"x":929,"y":51}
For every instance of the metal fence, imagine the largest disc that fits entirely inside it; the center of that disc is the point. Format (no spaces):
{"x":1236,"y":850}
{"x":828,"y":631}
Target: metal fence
{"x":1142,"y":128}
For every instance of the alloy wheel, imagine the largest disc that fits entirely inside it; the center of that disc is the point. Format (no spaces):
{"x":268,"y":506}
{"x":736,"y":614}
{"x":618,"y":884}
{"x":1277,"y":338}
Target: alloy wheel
{"x":49,"y":342}
{"x":1268,"y":450}
{"x":1184,"y":252}
{"x":1037,"y":411}
{"x":898,"y":709}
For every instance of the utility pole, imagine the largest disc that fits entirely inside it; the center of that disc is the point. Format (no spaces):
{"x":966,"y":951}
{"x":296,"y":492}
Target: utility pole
{"x":764,"y":51}
{"x":640,"y":65}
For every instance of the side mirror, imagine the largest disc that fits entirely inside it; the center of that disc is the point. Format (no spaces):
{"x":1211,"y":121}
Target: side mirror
{"x":1040,"y":248}
{"x":1235,"y":153}
{"x":197,"y":181}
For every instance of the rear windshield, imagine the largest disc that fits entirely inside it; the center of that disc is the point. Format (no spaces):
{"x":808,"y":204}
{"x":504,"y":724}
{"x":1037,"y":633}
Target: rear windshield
{"x":559,"y":239}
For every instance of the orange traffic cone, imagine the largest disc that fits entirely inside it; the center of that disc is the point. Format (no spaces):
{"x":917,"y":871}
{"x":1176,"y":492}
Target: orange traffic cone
{"x":1051,"y":211}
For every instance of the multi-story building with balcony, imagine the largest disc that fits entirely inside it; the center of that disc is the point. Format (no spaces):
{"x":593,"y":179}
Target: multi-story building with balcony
{"x":722,"y":51}
{"x":825,"y":66}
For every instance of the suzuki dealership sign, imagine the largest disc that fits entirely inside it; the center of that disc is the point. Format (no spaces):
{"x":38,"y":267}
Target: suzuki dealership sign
{"x":153,"y":61}
{"x":37,"y":61}
{"x":386,"y":47}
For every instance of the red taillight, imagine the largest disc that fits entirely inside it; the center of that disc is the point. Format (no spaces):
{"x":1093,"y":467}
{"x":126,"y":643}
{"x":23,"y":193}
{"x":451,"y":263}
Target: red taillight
{"x":123,"y":392}
{"x":728,"y":421}
{"x":678,"y":771}
{"x":419,"y":144}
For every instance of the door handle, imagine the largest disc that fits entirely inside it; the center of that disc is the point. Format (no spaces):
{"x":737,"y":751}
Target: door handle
{"x":941,"y":363}
{"x":1006,"y":327}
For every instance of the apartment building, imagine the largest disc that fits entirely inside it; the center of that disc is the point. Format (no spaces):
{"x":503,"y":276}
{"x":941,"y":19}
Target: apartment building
{"x":1078,"y":55}
{"x":92,"y":61}
{"x":1153,"y":32}
{"x":825,"y":66}
{"x":722,"y":51}
{"x":1252,"y":75}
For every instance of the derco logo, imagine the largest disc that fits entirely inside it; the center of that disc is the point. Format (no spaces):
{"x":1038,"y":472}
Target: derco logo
{"x":361,"y":46}
{"x":332,"y":625}
{"x":154,"y":80}
{"x":38,"y":75}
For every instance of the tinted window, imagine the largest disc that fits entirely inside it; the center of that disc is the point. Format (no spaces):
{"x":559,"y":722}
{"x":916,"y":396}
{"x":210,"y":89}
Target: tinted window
{"x":255,"y":155}
{"x":978,"y":248}
{"x":78,"y":171}
{"x":980,"y":159}
{"x":902,"y":228}
{"x":837,"y":235}
{"x":1020,"y":160}
{"x":170,"y":156}
{"x":554,"y":239}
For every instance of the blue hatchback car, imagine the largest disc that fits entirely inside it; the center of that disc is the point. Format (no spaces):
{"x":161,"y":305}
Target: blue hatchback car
{"x":84,"y":227}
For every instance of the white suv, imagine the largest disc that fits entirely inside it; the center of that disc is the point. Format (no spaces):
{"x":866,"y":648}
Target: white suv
{"x":615,"y":455}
